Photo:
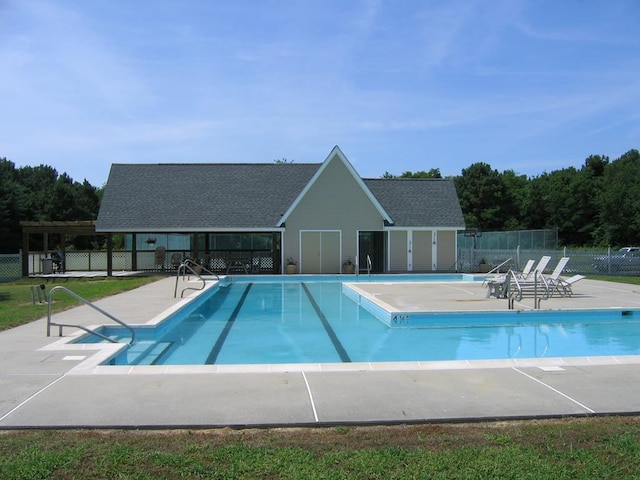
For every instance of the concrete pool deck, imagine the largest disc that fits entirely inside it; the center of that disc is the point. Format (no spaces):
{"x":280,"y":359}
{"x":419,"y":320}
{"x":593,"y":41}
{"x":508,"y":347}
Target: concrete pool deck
{"x":44,"y":386}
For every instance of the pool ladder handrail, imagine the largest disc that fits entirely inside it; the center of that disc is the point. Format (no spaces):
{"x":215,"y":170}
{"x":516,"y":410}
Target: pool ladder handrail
{"x":81,"y":327}
{"x":369,"y":265}
{"x":496,"y":269}
{"x":188,"y":265}
{"x":540,"y":286}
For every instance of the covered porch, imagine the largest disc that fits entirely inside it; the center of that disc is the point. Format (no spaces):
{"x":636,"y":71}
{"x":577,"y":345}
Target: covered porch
{"x":218,"y":252}
{"x":111,"y":253}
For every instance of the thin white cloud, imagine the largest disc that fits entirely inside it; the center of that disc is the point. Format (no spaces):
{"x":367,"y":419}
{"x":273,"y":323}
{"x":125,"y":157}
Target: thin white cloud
{"x":62,"y":62}
{"x":252,"y":81}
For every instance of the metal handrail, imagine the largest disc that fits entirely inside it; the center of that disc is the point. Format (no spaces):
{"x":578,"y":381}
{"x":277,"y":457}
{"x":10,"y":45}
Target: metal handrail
{"x":514,"y":278}
{"x":188,"y":265}
{"x":369,"y":265}
{"x":190,"y":261}
{"x":88,"y":330}
{"x":520,"y":287}
{"x":491,"y":274}
{"x":497,"y":269}
{"x":545,"y":281}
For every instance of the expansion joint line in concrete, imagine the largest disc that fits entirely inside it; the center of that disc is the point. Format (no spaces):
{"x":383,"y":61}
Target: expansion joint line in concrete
{"x":555,"y":390}
{"x":24,"y":402}
{"x":313,"y":405}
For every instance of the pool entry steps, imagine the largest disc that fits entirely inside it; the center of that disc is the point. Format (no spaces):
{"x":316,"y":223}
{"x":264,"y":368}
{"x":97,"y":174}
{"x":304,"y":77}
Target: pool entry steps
{"x":50,"y":323}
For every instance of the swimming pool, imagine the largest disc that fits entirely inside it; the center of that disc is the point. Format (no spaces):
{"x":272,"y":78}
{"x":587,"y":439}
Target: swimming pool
{"x":261,"y":321}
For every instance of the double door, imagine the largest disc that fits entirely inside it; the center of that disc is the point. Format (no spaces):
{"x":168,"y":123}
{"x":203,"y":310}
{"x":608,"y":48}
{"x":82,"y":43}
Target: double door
{"x":320,"y":251}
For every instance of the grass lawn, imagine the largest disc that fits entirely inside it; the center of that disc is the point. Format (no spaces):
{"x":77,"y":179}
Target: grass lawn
{"x":17,"y":308}
{"x":572,"y":448}
{"x":611,"y":278}
{"x":588,"y":448}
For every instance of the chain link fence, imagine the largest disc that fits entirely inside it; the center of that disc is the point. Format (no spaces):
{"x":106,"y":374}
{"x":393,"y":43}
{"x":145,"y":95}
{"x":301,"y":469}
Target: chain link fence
{"x":544,"y":239}
{"x":585,"y":262}
{"x":10,"y":267}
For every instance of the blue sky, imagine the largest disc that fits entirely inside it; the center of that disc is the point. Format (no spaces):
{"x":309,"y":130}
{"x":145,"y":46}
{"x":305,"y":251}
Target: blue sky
{"x":527,"y":85}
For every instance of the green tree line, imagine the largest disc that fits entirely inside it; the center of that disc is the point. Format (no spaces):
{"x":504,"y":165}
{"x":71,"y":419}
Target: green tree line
{"x":595,"y":205}
{"x":40,"y":194}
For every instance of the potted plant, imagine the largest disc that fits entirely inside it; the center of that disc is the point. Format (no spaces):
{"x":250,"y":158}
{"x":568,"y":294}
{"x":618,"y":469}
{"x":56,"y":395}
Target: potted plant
{"x":291,"y":266}
{"x":348,"y":266}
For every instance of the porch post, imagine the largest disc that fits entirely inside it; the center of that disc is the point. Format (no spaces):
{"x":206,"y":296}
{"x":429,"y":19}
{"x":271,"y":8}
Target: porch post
{"x":109,"y":255}
{"x":194,"y":253}
{"x":134,"y":252}
{"x":25,"y":253}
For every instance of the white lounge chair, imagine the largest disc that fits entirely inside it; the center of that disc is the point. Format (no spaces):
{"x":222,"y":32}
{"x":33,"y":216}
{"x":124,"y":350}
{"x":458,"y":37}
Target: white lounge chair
{"x":563,"y":285}
{"x":542,"y":264}
{"x":559,"y":269}
{"x":553,"y":279}
{"x":499,"y":286}
{"x":526,"y":271}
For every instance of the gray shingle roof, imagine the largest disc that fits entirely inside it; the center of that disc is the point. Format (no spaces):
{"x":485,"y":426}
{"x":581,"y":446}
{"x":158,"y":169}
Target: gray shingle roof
{"x":419,"y":202}
{"x":176,"y":197}
{"x":221,"y":196}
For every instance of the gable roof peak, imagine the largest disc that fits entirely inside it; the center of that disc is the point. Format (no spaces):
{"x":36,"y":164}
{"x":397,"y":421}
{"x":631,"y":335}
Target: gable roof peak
{"x":336,"y":152}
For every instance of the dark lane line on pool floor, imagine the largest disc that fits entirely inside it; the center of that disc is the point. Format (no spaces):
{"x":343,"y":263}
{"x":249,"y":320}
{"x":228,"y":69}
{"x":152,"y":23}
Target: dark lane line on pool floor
{"x":215,"y":351}
{"x":344,"y":356}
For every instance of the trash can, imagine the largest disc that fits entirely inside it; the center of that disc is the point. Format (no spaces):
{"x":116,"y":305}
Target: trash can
{"x":47,"y":266}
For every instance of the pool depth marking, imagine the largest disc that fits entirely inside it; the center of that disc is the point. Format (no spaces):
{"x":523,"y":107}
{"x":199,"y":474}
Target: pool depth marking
{"x":215,"y":351}
{"x":344,"y":356}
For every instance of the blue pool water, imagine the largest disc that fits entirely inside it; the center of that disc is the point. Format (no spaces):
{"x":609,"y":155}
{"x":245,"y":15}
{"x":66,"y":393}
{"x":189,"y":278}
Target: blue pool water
{"x":315,"y":322}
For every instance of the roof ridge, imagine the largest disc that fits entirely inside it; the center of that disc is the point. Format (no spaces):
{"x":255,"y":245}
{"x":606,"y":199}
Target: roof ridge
{"x":182,"y":164}
{"x":407,"y":178}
